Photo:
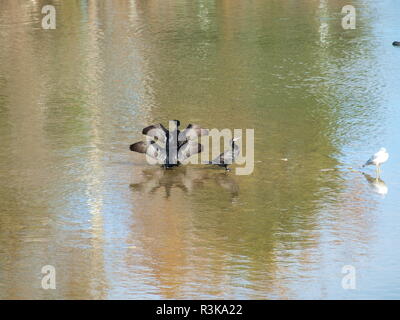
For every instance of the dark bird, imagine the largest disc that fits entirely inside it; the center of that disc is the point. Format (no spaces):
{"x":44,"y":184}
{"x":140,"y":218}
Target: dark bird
{"x":176,"y":146}
{"x":396,"y":43}
{"x":227,"y":157}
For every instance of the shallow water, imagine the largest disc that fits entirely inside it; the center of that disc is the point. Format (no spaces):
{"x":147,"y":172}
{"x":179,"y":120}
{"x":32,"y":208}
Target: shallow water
{"x":73,"y":195}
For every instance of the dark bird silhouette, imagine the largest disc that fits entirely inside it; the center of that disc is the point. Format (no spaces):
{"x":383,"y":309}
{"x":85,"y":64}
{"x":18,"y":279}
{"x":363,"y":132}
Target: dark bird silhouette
{"x":176,"y":146}
{"x":396,"y":43}
{"x":227,"y":157}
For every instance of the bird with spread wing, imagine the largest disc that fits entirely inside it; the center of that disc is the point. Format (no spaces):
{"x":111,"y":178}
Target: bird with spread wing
{"x":170,"y":147}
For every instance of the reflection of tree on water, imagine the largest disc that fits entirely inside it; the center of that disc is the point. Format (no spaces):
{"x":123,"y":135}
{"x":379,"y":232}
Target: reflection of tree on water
{"x":164,"y":225}
{"x":185,"y":179}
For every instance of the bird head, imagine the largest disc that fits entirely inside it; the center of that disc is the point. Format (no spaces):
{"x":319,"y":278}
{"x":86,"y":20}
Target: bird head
{"x":174,"y":125}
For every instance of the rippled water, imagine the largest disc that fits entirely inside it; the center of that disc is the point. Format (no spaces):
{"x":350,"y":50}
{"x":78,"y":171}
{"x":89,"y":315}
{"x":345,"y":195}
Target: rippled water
{"x":73,"y":195}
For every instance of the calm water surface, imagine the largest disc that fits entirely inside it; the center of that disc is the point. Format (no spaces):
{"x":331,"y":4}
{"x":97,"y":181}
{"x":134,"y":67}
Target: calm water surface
{"x":73,"y":196}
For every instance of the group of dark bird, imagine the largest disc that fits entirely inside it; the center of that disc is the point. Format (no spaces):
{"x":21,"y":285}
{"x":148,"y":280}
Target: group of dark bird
{"x":172,"y":147}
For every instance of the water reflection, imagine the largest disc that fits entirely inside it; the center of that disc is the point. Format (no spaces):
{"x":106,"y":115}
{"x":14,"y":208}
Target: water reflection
{"x":184,"y":178}
{"x":377,"y":184}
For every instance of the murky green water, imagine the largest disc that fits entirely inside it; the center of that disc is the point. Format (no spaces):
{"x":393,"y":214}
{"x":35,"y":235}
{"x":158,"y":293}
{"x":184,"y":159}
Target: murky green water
{"x":73,"y":196}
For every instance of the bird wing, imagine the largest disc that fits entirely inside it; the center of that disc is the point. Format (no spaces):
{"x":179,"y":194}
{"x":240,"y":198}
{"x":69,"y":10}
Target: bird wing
{"x":220,"y":159}
{"x":227,"y":157}
{"x":188,"y":149}
{"x":156,"y":131}
{"x":192,"y":132}
{"x":150,"y":148}
{"x":372,"y":159}
{"x":369,"y":161}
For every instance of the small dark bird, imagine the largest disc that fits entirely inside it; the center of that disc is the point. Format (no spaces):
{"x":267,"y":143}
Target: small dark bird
{"x":177,"y":146}
{"x":396,"y":43}
{"x":227,"y":157}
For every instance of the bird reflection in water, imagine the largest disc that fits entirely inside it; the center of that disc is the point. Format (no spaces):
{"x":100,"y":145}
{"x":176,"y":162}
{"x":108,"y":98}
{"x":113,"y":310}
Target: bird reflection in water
{"x":187,"y":180}
{"x":376,"y":184}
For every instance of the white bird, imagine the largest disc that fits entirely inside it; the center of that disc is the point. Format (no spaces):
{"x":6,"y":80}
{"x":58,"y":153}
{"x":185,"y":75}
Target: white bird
{"x":377,"y":159}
